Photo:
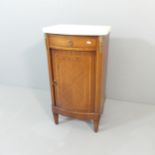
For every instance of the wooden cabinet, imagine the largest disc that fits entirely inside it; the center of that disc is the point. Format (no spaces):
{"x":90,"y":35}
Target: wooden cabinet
{"x":77,"y":67}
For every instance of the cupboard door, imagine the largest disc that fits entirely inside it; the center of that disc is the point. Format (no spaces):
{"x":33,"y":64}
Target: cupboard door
{"x":74,"y":78}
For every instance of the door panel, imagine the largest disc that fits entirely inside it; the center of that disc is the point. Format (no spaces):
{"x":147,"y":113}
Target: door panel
{"x":74,"y":73}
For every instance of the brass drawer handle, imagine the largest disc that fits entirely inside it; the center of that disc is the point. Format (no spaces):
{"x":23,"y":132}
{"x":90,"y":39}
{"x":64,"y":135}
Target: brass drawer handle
{"x":88,"y":42}
{"x":70,"y":43}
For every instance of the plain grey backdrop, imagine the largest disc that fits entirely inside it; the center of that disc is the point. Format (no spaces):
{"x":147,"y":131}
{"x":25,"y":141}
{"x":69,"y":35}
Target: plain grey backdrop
{"x":131,"y":60}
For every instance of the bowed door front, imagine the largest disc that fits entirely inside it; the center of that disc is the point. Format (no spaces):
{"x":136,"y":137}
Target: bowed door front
{"x":74,"y":80}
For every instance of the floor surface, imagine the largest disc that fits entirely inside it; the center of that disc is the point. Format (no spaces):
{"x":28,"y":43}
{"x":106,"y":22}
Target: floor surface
{"x":27,"y":128}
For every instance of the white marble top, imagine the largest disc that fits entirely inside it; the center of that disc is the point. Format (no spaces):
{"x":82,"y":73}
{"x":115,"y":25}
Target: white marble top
{"x":86,"y":30}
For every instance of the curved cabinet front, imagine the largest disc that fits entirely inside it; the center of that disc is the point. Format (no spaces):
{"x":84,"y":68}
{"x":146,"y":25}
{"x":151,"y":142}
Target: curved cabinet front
{"x":74,"y":74}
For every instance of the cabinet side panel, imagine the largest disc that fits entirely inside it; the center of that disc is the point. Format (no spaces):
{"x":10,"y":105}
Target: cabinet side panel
{"x":104,"y":69}
{"x":101,"y":55}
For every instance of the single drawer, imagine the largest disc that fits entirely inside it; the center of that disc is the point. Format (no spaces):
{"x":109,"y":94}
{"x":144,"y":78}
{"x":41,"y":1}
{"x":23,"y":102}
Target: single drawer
{"x":72,"y":42}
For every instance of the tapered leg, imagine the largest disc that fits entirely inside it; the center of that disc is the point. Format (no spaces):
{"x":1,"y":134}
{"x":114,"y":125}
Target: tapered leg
{"x":56,"y":118}
{"x":96,"y":124}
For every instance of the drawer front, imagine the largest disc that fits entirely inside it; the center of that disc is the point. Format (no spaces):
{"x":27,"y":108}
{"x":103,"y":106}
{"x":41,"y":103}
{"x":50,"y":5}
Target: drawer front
{"x":72,"y":42}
